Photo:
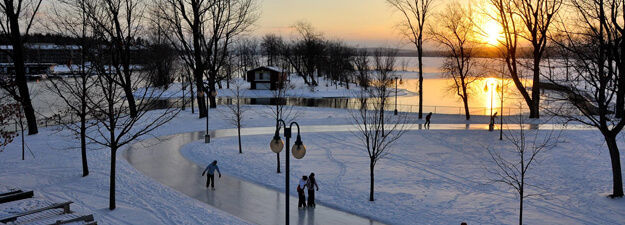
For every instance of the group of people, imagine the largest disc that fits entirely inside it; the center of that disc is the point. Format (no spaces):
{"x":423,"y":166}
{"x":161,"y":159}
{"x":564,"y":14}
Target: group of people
{"x":307,"y":183}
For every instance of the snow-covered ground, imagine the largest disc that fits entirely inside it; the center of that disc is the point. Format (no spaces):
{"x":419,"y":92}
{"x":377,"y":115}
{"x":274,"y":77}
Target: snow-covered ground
{"x":431,"y":176}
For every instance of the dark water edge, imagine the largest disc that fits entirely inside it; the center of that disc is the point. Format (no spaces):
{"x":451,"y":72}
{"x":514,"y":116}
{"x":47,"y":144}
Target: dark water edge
{"x":339,"y":103}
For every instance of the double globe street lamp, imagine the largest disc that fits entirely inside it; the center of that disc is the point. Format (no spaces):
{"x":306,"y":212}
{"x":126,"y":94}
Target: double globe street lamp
{"x":299,"y":150}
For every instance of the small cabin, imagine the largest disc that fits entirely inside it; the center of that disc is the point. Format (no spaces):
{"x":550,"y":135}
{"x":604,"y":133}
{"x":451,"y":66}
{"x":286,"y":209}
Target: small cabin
{"x":266,"y":78}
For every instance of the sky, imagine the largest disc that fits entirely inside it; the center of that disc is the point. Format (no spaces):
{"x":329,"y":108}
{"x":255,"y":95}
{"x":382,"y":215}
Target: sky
{"x":363,"y":22}
{"x":367,"y":23}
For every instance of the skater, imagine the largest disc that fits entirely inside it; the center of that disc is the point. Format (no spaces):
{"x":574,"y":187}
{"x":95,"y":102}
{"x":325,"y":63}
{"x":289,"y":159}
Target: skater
{"x":427,"y":120}
{"x":312,"y":183}
{"x":491,"y":125}
{"x":300,"y":192}
{"x":210,"y":177}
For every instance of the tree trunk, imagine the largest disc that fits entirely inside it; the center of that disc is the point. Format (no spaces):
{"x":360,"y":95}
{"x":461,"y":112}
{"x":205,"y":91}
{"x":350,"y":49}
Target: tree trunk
{"x":201,"y":99}
{"x":465,"y":100}
{"x":420,"y":52}
{"x":535,"y":101}
{"x":620,"y":95}
{"x":371,"y":167}
{"x":20,"y":71}
{"x":211,"y":89}
{"x":83,"y":144}
{"x":617,"y":178}
{"x":112,"y":185}
{"x":521,"y":192}
{"x":130,"y":98}
{"x":239,"y":132}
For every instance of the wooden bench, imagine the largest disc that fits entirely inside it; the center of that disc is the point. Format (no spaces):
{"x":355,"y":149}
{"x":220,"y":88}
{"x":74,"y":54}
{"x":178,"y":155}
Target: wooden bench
{"x":16,"y":196}
{"x":64,"y":205}
{"x":10,"y":193}
{"x":87,"y":219}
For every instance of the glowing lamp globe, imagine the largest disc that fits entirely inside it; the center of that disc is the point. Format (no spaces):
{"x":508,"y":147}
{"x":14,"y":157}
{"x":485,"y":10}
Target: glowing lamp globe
{"x":299,"y":149}
{"x":276,"y":145}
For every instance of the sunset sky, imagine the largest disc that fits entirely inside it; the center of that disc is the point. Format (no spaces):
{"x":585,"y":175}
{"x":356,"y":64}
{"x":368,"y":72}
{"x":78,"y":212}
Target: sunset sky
{"x":364,"y":22}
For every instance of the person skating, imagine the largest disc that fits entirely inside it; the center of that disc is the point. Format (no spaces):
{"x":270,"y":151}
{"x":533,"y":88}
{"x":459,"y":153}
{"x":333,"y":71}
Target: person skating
{"x":210,"y":177}
{"x":300,"y":192}
{"x":427,"y":120}
{"x":311,"y":184}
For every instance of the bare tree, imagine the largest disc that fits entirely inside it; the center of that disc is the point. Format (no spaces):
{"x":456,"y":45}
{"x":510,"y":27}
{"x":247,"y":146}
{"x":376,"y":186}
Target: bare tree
{"x":271,"y":46}
{"x":117,"y":23}
{"x":186,"y":21}
{"x":376,"y":129}
{"x":229,"y":19}
{"x":415,"y":13}
{"x":114,"y":127}
{"x":306,"y":54}
{"x":237,"y":108}
{"x":363,"y":70}
{"x":455,"y":31}
{"x":158,"y":55}
{"x":70,"y":19}
{"x":17,"y":18}
{"x":248,"y":56}
{"x":203,"y":33}
{"x":591,"y":40}
{"x":529,"y":20}
{"x":511,"y":165}
{"x":337,"y":63}
{"x":280,"y":110}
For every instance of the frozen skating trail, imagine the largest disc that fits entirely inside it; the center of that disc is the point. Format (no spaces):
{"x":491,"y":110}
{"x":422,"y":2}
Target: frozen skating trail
{"x":161,"y":160}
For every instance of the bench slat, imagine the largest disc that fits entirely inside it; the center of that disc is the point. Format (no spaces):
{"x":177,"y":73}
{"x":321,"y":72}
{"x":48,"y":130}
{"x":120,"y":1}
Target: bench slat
{"x":16,"y":196}
{"x":87,"y":218}
{"x":10,"y":192}
{"x":64,"y":205}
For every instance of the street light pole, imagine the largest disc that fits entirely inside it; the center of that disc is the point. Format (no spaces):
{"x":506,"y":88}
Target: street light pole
{"x":491,"y":122}
{"x":207,"y":137}
{"x":395,"y":95}
{"x":501,"y":115}
{"x":299,"y":150}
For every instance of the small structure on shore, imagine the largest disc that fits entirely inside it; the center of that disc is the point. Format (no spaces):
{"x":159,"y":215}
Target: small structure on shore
{"x":266,"y":78}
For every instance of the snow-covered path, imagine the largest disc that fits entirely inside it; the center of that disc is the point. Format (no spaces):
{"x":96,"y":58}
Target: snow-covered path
{"x":161,"y":160}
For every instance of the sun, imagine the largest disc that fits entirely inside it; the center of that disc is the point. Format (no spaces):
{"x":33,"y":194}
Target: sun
{"x":492,"y":32}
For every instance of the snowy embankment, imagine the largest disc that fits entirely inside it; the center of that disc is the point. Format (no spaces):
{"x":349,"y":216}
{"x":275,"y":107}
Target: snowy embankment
{"x":432,"y":176}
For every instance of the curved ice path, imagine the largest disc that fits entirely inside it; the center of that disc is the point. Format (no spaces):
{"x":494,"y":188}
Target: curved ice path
{"x":161,"y":160}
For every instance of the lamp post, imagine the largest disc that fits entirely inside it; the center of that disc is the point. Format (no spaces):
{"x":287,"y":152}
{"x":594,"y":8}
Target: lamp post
{"x":491,"y":123}
{"x":299,"y":150}
{"x":501,"y":115}
{"x":396,"y":78}
{"x":207,"y":137}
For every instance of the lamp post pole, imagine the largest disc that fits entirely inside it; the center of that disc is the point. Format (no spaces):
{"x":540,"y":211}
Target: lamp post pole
{"x":501,"y":115}
{"x":396,"y":95}
{"x":299,"y":150}
{"x":492,"y":122}
{"x":207,"y":137}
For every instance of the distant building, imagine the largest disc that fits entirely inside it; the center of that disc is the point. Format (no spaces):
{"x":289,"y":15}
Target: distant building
{"x":44,"y":53}
{"x":33,"y":70}
{"x":266,"y":78}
